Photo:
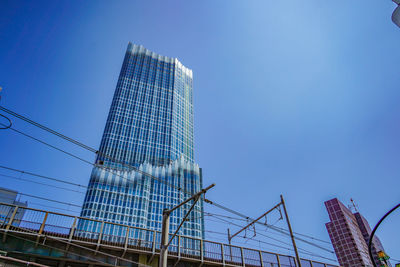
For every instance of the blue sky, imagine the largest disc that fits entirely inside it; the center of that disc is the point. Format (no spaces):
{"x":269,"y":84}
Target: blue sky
{"x":298,"y":98}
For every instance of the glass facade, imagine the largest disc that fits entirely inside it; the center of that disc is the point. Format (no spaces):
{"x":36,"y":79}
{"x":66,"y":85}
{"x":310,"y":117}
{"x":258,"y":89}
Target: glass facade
{"x":150,"y":127}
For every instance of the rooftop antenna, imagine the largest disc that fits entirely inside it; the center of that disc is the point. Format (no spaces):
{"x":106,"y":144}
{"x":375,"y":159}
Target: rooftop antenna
{"x":353,"y":205}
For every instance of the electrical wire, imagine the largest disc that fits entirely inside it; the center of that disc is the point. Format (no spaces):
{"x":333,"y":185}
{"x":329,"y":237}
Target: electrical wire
{"x":35,"y":182}
{"x":304,"y":251}
{"x":9,"y":123}
{"x":118,"y":161}
{"x":42,"y":176}
{"x":265,"y":224}
{"x":131,"y":167}
{"x":79,"y":158}
{"x":376,"y":228}
{"x":49,"y":145}
{"x":88,"y":162}
{"x":37,"y":204}
{"x":51,"y":200}
{"x":51,"y":207}
{"x":207,"y":201}
{"x":97,"y":152}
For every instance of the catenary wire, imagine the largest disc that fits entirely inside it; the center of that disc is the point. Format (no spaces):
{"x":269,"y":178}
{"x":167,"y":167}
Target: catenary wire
{"x":271,"y":244}
{"x":9,"y":123}
{"x":70,"y":154}
{"x":283,"y":231}
{"x":42,"y":176}
{"x":268,"y":236}
{"x":51,"y":200}
{"x":132,"y":167}
{"x":38,"y":204}
{"x":70,"y":204}
{"x":89,"y":148}
{"x":35,"y":182}
{"x":301,"y":249}
{"x":218,"y":205}
{"x":207,"y":201}
{"x":267,"y":243}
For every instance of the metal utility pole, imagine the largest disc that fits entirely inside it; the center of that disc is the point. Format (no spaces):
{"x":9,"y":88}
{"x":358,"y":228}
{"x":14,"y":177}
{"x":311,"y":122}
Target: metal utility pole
{"x":277,"y":206}
{"x":165,"y":242}
{"x":291,"y":232}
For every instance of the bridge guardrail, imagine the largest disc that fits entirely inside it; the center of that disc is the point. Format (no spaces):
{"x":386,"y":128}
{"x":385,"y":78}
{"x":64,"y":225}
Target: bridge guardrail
{"x":75,"y":228}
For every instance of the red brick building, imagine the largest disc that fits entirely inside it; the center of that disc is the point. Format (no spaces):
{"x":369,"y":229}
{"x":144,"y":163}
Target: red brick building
{"x":349,"y":234}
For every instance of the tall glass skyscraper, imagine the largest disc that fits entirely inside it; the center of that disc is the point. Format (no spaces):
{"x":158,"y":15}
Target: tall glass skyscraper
{"x":150,"y":127}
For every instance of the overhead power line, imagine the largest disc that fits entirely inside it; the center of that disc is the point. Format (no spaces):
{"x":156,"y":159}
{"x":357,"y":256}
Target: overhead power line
{"x":40,"y":205}
{"x":213,"y":203}
{"x":97,"y":152}
{"x":282,"y":230}
{"x":51,"y":200}
{"x":9,"y":123}
{"x":42,"y":176}
{"x":35,"y":182}
{"x":304,"y":251}
{"x":131,"y":167}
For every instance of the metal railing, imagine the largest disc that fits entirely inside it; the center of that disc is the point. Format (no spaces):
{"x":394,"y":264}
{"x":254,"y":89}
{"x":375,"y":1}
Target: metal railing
{"x":13,"y":262}
{"x":70,"y":228}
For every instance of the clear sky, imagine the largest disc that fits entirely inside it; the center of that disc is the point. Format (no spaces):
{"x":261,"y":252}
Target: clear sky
{"x":299,"y":98}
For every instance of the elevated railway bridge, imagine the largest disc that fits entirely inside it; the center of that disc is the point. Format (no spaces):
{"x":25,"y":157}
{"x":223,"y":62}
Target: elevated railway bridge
{"x":55,"y":239}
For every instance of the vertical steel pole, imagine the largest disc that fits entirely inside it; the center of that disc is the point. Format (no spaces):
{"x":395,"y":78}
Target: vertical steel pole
{"x":230,"y":245}
{"x":291,"y":233}
{"x":164,"y":239}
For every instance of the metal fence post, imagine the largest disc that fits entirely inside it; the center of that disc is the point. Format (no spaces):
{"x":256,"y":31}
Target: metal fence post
{"x":12,"y":218}
{"x":43,"y":223}
{"x":201,"y":251}
{"x":42,"y":227}
{"x":154,"y":242}
{"x":261,"y":259}
{"x":241,"y":252}
{"x":179,"y":247}
{"x":126,"y":241}
{"x":222,"y":254}
{"x":126,"y":238}
{"x":100,"y":236}
{"x":71,"y":233}
{"x":10,"y":222}
{"x":279,"y":262}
